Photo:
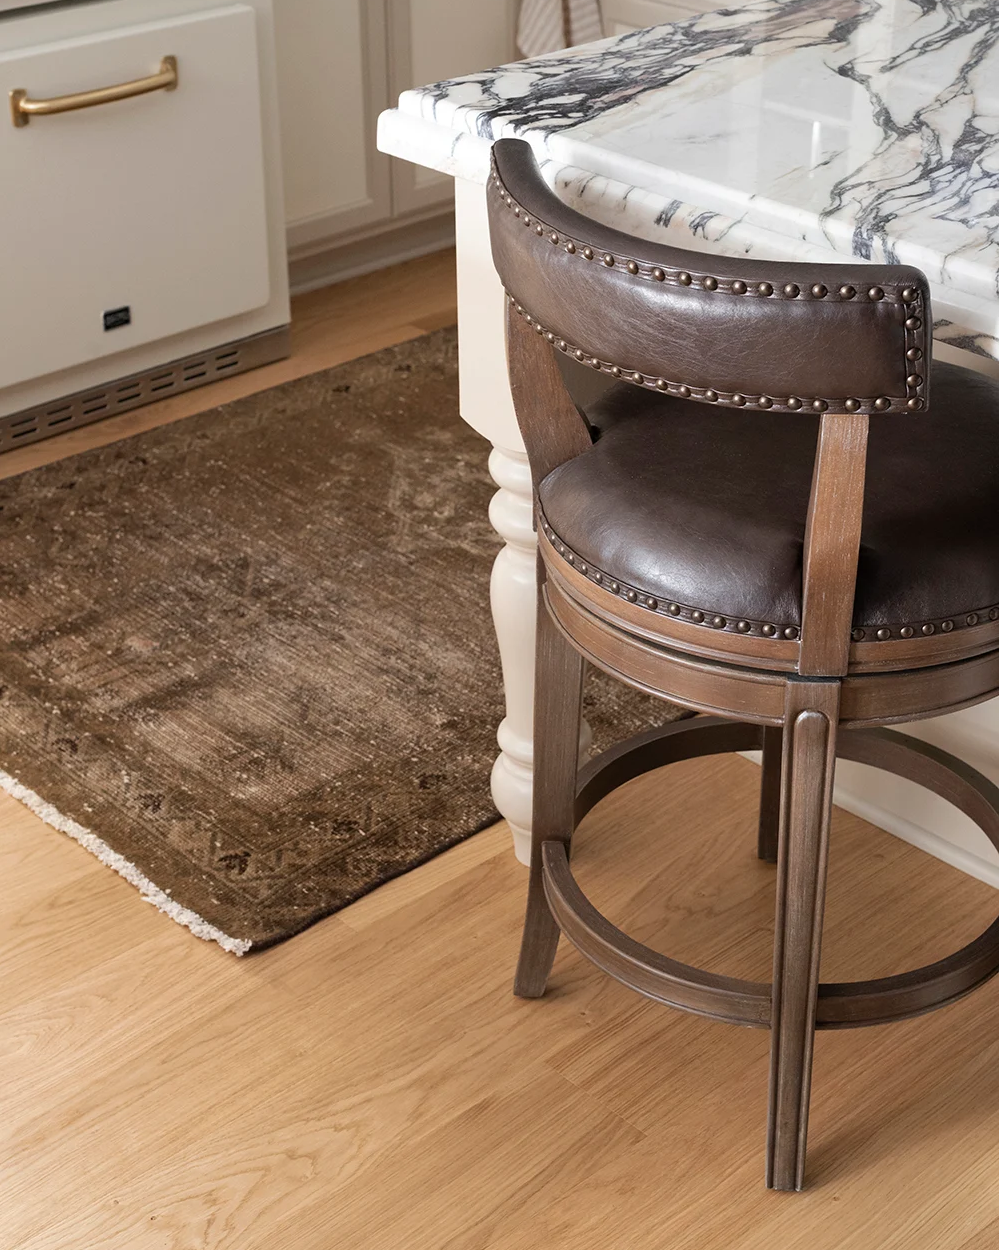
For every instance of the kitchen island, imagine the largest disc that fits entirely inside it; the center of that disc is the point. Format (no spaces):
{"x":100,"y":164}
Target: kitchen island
{"x":781,"y":129}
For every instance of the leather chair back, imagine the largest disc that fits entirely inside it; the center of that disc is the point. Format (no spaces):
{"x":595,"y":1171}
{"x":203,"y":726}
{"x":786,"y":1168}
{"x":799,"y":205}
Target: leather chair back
{"x":746,"y":333}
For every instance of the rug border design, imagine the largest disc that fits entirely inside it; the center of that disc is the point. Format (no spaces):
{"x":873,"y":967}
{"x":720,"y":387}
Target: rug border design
{"x":150,"y":892}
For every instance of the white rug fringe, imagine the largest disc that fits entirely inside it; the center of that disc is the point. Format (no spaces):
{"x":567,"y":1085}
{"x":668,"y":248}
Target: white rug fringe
{"x":124,"y":868}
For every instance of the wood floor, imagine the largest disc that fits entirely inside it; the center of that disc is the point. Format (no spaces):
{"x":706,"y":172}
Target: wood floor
{"x":373,"y":1085}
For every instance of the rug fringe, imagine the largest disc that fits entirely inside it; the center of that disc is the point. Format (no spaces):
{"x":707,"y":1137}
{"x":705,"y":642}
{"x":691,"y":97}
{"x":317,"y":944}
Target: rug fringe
{"x":150,"y":892}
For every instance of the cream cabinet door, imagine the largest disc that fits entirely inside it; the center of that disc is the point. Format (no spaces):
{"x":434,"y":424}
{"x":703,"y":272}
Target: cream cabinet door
{"x":332,"y":84}
{"x":140,"y":218}
{"x":621,"y":16}
{"x":434,"y":39}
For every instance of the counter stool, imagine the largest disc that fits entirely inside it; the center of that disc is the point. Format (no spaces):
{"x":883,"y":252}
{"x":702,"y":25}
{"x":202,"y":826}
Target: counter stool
{"x":705,"y":535}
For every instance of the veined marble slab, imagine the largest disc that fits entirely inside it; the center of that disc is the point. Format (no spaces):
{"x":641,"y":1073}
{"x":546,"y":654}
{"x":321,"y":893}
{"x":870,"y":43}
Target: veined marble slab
{"x":808,"y":129}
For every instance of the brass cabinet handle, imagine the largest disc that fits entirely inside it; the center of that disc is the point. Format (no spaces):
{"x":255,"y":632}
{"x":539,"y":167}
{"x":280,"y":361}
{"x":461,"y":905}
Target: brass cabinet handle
{"x":22,"y":109}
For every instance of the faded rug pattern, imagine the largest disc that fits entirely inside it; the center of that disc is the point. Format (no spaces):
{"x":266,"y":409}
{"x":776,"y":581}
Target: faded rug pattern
{"x":249,"y":655}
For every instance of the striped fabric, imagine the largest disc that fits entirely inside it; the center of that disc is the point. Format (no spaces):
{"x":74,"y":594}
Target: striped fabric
{"x":547,"y":25}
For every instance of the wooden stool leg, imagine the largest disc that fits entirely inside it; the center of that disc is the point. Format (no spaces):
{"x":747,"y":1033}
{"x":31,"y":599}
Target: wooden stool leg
{"x":558,"y":695}
{"x":809,"y":759}
{"x":766,"y":840}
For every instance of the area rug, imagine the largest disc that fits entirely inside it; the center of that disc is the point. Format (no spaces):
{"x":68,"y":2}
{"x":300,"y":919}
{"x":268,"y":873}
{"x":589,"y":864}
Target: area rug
{"x":247,"y":658}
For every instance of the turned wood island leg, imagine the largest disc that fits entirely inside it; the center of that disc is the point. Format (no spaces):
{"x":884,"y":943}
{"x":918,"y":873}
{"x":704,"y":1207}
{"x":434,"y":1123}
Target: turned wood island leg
{"x":513,"y":594}
{"x":487,"y":406}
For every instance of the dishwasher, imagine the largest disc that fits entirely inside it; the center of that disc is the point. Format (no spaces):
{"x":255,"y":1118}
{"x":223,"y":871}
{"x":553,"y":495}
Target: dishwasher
{"x":142,"y":247}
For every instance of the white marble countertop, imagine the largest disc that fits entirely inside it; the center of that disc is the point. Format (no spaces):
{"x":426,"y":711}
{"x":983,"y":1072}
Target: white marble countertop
{"x":803,"y":129}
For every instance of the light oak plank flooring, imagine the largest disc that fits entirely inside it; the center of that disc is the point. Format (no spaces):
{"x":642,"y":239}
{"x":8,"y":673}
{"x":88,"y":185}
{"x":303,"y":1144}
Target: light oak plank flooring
{"x":373,"y":1085}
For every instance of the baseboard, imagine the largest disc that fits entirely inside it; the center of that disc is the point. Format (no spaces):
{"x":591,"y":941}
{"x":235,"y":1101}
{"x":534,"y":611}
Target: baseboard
{"x":893,"y":821}
{"x":934,"y":844}
{"x":317,"y":265}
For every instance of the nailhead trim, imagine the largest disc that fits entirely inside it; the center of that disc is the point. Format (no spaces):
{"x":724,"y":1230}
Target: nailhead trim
{"x":664,"y":607}
{"x":909,"y":296}
{"x":764,"y":629}
{"x":707,"y":394}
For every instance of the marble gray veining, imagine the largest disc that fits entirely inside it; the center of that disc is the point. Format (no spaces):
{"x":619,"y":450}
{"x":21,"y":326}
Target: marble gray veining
{"x":793,"y":128}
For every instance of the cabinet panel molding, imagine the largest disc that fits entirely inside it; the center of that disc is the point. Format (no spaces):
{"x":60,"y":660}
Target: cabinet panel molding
{"x":332,"y":83}
{"x":429,"y":40}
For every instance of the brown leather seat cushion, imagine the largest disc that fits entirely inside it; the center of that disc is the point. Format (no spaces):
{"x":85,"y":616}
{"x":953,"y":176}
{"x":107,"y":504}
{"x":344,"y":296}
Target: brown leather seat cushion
{"x":706,"y":507}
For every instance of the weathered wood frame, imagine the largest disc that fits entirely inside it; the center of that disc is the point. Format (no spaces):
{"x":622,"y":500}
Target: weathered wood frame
{"x":801,"y":700}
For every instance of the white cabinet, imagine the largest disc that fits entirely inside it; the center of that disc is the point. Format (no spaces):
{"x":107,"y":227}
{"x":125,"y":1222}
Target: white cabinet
{"x":430,"y":40}
{"x":621,"y":16}
{"x":340,"y":63}
{"x":332,"y":78}
{"x":143,"y":248}
{"x":168,"y":227}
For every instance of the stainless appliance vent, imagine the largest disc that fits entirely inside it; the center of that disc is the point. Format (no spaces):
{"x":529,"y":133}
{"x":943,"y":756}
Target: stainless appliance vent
{"x":45,"y":420}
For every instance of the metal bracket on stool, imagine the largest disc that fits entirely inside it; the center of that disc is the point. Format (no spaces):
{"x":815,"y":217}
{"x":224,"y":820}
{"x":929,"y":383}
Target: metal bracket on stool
{"x":841,"y":1004}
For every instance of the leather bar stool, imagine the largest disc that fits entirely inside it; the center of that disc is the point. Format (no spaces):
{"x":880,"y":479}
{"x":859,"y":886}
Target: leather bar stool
{"x":705,"y":535}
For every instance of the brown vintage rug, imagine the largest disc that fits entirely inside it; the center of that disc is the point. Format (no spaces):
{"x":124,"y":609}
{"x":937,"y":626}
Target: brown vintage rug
{"x":247,"y":658}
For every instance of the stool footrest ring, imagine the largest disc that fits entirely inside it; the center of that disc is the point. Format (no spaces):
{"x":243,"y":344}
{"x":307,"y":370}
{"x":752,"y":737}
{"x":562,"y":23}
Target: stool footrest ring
{"x":840,"y":1005}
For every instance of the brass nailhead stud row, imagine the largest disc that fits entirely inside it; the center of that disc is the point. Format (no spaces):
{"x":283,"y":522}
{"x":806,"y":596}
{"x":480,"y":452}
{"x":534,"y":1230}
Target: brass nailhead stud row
{"x":793,"y":402}
{"x":653,"y":604}
{"x":907,"y":295}
{"x":928,"y":629}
